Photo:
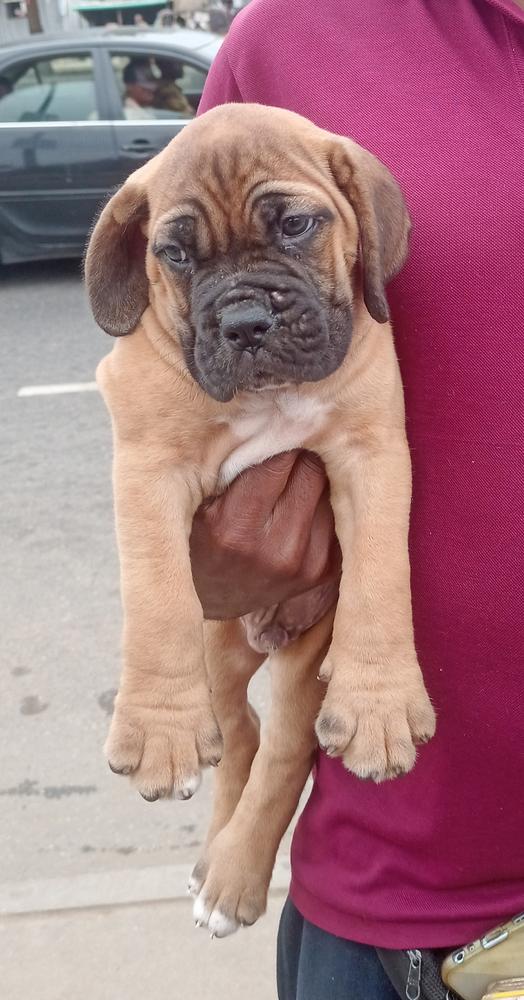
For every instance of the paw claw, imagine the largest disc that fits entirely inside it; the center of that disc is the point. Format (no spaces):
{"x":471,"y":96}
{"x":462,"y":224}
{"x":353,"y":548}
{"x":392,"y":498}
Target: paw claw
{"x":186,"y":788}
{"x":326,"y":671}
{"x":334,"y":734}
{"x":125,"y":769}
{"x":210,"y":747}
{"x":150,"y":796}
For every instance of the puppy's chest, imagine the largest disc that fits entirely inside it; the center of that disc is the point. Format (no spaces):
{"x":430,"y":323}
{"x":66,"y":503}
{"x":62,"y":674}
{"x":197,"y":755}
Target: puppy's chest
{"x":270,"y":423}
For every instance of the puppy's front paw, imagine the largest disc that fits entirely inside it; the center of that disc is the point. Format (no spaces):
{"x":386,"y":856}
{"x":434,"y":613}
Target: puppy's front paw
{"x":163,"y":748}
{"x":229,"y":885}
{"x":375,"y":727}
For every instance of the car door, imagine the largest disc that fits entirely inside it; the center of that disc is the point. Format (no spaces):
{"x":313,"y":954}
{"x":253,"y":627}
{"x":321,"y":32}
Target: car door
{"x":143,"y":129}
{"x":58,"y":155}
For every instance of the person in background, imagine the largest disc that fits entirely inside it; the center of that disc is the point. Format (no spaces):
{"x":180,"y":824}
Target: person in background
{"x":140,"y":88}
{"x":433,"y":859}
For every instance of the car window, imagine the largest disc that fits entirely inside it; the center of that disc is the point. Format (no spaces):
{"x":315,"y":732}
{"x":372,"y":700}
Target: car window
{"x":59,"y":88}
{"x":157,"y":86}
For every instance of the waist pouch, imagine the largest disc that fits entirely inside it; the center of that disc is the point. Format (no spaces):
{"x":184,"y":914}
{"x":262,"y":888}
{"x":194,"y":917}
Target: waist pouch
{"x":415,"y":974}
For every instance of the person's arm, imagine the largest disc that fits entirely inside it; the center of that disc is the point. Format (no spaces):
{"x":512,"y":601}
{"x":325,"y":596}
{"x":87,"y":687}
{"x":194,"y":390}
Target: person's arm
{"x":268,"y":538}
{"x":221,"y":86}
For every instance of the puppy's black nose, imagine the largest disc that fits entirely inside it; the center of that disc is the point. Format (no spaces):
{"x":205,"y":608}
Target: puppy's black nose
{"x":244,"y":325}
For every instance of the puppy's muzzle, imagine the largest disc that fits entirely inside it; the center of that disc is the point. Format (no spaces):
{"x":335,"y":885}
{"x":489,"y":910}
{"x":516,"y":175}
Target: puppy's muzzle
{"x":244,"y":325}
{"x":257,"y":326}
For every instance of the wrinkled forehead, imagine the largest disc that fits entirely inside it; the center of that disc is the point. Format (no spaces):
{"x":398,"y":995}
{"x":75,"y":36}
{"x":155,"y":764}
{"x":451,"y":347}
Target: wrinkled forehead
{"x":238,"y":173}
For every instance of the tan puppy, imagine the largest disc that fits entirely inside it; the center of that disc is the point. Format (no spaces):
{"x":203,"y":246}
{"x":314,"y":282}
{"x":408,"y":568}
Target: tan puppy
{"x":248,"y":261}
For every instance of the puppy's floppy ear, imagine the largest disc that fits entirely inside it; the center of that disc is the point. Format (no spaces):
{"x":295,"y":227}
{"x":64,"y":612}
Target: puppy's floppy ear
{"x":115,"y":260}
{"x":382,"y":218}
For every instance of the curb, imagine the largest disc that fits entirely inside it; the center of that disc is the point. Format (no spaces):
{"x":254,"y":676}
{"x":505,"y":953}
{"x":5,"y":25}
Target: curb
{"x":110,"y":888}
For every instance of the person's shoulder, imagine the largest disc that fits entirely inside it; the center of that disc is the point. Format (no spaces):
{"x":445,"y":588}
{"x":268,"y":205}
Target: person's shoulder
{"x":344,"y":12}
{"x":269,"y":15}
{"x":271,"y":44}
{"x":263,"y":23}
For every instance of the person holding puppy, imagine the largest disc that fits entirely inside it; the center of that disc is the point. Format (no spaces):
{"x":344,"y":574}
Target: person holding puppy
{"x":435,"y":858}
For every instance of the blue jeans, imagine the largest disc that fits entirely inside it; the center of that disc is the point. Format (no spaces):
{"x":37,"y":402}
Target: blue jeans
{"x":315,"y":965}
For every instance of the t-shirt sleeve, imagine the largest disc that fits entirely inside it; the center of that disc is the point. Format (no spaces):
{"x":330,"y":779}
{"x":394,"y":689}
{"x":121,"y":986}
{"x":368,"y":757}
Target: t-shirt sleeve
{"x":221,"y":86}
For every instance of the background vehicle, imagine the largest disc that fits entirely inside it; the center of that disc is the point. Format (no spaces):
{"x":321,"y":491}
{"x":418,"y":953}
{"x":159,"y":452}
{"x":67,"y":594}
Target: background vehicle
{"x":66,"y":136}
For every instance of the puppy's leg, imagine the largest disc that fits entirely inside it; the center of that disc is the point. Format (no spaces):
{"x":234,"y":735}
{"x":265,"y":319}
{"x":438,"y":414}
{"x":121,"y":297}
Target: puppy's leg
{"x":163,"y":727}
{"x":232,"y":880}
{"x":231,"y":663}
{"x":376,"y":707}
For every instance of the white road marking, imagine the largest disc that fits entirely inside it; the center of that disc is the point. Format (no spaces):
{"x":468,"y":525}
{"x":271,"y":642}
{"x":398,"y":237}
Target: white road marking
{"x":56,"y":390}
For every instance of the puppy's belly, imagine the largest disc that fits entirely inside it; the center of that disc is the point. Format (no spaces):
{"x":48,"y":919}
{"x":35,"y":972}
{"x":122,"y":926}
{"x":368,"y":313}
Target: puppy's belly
{"x":268,"y":424}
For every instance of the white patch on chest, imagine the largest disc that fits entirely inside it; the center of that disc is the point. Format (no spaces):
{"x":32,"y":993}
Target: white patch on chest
{"x":271,"y":422}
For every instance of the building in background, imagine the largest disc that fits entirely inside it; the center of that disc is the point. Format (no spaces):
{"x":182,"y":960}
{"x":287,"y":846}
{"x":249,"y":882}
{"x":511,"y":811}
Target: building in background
{"x":18,"y":18}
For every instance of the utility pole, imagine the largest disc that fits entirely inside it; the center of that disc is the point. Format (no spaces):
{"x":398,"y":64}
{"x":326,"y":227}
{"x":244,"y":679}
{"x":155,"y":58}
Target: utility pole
{"x":33,"y":16}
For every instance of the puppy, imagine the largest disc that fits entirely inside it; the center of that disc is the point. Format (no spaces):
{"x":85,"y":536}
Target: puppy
{"x":243,"y":271}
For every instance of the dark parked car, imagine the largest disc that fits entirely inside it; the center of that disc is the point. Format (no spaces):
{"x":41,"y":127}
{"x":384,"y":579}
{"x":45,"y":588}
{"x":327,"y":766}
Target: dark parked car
{"x":77,"y":115}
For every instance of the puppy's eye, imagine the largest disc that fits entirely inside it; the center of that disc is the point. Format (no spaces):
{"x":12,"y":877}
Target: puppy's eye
{"x":175,"y":254}
{"x":297,"y":225}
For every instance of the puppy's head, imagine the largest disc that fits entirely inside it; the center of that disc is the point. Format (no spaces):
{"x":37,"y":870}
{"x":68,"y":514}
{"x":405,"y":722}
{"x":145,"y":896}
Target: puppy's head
{"x":250,"y":234}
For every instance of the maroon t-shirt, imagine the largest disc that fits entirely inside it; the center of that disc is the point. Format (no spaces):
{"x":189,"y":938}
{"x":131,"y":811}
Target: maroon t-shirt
{"x":436,"y":90}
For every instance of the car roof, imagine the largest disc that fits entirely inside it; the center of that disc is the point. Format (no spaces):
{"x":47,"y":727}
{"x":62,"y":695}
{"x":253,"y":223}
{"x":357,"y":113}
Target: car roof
{"x":185,"y":39}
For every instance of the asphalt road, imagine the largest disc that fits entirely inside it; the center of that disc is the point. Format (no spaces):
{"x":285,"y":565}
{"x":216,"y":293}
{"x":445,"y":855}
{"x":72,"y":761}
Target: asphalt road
{"x":63,"y":813}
